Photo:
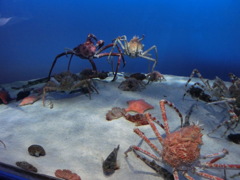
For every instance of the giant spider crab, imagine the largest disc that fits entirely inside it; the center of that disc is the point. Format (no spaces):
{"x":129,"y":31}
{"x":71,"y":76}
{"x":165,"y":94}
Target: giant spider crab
{"x":67,"y":81}
{"x":88,"y":50}
{"x":232,"y":103}
{"x":134,"y":49}
{"x":218,"y":90}
{"x":217,"y":93}
{"x":181,"y":149}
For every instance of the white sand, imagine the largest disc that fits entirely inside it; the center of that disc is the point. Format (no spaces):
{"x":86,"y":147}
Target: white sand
{"x":76,"y":135}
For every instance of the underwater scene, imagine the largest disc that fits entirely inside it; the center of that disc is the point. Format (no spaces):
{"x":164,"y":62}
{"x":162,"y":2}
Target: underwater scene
{"x":140,"y":90}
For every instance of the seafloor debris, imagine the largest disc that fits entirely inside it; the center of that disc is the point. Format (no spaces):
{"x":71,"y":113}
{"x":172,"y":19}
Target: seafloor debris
{"x":4,"y":96}
{"x":23,"y":94}
{"x":138,"y":76}
{"x":110,"y":164}
{"x":234,"y":138}
{"x":32,"y":83}
{"x":115,"y":113}
{"x":138,"y":119}
{"x":139,"y":106}
{"x":131,"y":84}
{"x":36,"y":150}
{"x":89,"y":74}
{"x":3,"y":143}
{"x":26,"y":166}
{"x":102,"y":75}
{"x":29,"y":100}
{"x":66,"y":174}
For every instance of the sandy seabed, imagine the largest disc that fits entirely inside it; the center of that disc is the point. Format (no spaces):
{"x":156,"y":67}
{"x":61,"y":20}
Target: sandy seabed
{"x":76,"y":135}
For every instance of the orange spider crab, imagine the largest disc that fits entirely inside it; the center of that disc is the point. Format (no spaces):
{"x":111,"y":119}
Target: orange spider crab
{"x":181,"y":149}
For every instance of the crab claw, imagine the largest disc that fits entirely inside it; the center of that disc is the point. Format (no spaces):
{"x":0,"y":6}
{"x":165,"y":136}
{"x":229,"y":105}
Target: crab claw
{"x":99,"y":44}
{"x":91,"y":36}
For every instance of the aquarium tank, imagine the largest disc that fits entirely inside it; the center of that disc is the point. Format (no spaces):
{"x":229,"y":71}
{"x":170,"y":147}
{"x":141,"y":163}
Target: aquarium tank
{"x":119,"y":89}
{"x":188,"y":34}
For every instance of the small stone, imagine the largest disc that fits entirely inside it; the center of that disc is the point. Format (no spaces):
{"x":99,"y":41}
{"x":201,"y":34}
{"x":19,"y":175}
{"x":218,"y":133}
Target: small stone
{"x":36,"y":150}
{"x":26,"y":166}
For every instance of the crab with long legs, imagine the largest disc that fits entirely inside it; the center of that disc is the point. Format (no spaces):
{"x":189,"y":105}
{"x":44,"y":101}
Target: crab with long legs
{"x":67,"y":81}
{"x":217,"y":90}
{"x":92,"y":48}
{"x":233,"y":105}
{"x":181,"y":149}
{"x":134,"y":49}
{"x":217,"y":93}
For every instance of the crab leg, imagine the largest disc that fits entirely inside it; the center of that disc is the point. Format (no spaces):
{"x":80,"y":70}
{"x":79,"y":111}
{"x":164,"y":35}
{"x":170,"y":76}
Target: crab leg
{"x":186,"y":175}
{"x":164,"y":115}
{"x":56,"y":58}
{"x":222,"y":166}
{"x":141,"y":134}
{"x":195,"y":71}
{"x":154,"y":128}
{"x":144,"y":55}
{"x":232,"y":120}
{"x":229,"y":100}
{"x":208,"y":176}
{"x":118,"y":62}
{"x":136,"y":148}
{"x":220,"y":154}
{"x":175,"y":175}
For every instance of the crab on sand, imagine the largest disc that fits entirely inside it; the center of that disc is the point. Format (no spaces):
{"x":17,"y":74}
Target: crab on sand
{"x":67,"y":81}
{"x":181,"y":149}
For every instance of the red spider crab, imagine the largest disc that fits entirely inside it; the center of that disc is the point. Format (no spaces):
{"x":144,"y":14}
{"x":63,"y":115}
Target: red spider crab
{"x":181,"y":149}
{"x":89,"y":50}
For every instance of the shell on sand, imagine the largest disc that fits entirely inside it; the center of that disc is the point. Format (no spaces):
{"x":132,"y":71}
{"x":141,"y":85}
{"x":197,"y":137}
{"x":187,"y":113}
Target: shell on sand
{"x":29,"y":100}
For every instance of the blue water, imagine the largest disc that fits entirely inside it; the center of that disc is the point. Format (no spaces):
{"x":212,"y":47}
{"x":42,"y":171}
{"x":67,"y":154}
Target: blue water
{"x":188,"y":34}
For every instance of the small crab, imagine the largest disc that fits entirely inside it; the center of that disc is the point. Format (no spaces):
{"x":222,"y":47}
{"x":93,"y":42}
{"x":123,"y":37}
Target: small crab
{"x":134,"y":49}
{"x":67,"y":81}
{"x":181,"y":149}
{"x":155,"y":76}
{"x":131,"y":84}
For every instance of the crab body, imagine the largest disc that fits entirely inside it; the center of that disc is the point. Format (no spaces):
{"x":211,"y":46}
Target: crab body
{"x":135,"y":47}
{"x":182,"y":148}
{"x":88,"y":49}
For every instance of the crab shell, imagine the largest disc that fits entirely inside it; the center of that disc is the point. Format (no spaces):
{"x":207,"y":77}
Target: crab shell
{"x":182,"y":148}
{"x":135,"y":45}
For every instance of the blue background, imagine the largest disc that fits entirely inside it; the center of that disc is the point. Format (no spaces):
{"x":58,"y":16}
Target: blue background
{"x":188,"y":34}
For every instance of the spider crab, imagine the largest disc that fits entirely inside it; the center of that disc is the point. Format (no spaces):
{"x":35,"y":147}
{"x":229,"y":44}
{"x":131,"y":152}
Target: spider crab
{"x":217,"y":90}
{"x":134,"y":49}
{"x":89,"y":50}
{"x":218,"y":93}
{"x":181,"y":149}
{"x":67,"y":81}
